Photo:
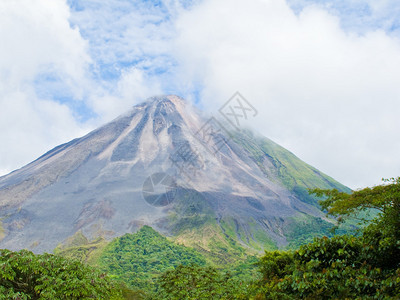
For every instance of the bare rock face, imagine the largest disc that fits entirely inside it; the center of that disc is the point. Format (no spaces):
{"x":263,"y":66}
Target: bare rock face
{"x":165,"y":165}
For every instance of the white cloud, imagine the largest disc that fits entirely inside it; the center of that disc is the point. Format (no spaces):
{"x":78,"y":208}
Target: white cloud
{"x":358,"y":15}
{"x":36,"y":40}
{"x":126,"y":33}
{"x":132,"y":88}
{"x":330,"y":96}
{"x":130,"y":46}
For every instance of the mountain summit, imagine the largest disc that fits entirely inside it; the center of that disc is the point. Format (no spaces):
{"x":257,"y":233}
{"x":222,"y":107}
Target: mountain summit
{"x":166,"y":165}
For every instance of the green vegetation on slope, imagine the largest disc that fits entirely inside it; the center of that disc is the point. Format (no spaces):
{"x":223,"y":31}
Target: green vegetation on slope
{"x":194,"y":224}
{"x":289,"y":170}
{"x":191,"y":210}
{"x":80,"y":248}
{"x":304,"y":228}
{"x":254,"y":235}
{"x":2,"y":231}
{"x":139,"y":259}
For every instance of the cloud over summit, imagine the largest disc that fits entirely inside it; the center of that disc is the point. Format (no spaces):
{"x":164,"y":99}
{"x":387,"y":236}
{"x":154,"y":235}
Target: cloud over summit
{"x":322,"y":74}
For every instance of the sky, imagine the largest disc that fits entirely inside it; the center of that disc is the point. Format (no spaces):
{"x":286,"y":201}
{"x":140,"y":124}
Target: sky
{"x":324,"y":76}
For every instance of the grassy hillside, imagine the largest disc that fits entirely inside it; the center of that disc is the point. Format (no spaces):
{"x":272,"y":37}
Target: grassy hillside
{"x":194,"y":223}
{"x":80,"y":248}
{"x":287,"y":169}
{"x":2,"y":231}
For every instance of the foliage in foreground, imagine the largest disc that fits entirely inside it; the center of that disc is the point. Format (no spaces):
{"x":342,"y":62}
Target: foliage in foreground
{"x":195,"y":282}
{"x":24,"y":275}
{"x":366,"y":266}
{"x":336,"y":268}
{"x":363,"y":267}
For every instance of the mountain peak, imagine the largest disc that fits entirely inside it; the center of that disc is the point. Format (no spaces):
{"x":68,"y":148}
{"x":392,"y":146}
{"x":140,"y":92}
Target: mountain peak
{"x":163,"y":99}
{"x":154,"y":166}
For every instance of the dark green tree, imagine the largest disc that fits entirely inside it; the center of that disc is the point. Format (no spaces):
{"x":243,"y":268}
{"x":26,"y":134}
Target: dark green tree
{"x":343,"y":267}
{"x":195,"y":282}
{"x":382,"y":233}
{"x":139,"y":259}
{"x":24,"y":275}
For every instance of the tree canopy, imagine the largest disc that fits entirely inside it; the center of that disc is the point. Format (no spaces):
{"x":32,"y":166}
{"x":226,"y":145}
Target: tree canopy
{"x":139,"y":259}
{"x":24,"y":275}
{"x":352,"y":267}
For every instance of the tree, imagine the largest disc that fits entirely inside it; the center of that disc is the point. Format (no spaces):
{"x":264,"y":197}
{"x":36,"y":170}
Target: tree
{"x":343,"y":267}
{"x":24,"y":275}
{"x":385,"y":199}
{"x":139,"y":259}
{"x":383,"y":232}
{"x":195,"y":282}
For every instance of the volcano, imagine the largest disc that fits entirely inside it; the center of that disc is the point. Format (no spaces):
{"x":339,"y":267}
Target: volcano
{"x":165,"y":164}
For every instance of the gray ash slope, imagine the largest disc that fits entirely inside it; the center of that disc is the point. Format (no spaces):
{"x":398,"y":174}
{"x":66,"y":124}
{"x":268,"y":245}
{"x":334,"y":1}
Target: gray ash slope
{"x":94,"y":184}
